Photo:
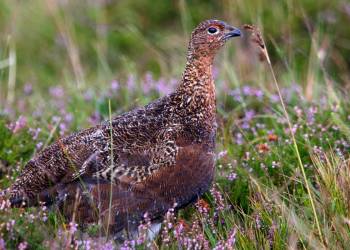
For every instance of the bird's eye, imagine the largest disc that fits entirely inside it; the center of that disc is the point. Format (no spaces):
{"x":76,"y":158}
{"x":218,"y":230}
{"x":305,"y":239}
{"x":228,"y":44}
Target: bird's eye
{"x":212,"y":30}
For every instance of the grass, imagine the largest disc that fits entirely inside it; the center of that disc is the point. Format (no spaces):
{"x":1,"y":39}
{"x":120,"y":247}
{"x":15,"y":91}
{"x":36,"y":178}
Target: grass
{"x":282,"y":177}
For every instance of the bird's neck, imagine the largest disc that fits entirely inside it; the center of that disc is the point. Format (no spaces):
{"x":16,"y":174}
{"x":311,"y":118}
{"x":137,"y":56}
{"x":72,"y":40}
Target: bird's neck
{"x":197,"y":89}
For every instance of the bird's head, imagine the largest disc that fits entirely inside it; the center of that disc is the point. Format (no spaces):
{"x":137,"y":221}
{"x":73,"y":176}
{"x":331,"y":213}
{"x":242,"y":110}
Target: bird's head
{"x":209,"y":36}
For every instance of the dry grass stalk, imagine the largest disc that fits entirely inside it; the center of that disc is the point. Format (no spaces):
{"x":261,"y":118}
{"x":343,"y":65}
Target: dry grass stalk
{"x":257,"y":38}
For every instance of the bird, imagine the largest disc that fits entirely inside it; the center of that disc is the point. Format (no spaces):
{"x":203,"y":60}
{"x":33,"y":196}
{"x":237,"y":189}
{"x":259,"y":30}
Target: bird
{"x":145,"y":161}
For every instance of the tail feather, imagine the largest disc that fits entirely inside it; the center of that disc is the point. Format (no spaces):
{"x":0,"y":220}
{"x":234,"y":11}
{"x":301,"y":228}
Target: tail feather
{"x":18,"y":198}
{"x":14,"y":200}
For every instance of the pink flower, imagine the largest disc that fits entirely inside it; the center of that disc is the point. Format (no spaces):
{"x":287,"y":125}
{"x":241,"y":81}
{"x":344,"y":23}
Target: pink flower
{"x":22,"y":245}
{"x":18,"y":125}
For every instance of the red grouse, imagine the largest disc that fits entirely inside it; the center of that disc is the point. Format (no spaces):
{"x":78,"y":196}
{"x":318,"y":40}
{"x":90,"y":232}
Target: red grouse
{"x":142,"y":161}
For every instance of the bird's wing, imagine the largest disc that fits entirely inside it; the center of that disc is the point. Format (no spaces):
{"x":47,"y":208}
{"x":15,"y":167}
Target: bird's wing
{"x":125,"y":149}
{"x":134,"y":164}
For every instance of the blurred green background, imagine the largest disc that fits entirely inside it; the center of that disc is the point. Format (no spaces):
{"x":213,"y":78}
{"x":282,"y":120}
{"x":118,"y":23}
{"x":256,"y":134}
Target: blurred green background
{"x":79,"y":43}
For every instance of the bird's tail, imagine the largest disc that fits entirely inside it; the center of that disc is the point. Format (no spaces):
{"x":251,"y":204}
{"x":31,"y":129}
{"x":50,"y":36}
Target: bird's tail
{"x":7,"y":198}
{"x":14,"y":199}
{"x":18,"y":198}
{"x":22,"y":192}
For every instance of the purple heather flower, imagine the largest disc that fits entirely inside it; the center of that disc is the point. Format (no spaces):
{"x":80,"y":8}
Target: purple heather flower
{"x":31,"y":218}
{"x":239,"y":138}
{"x":218,"y":199}
{"x":310,"y":114}
{"x":274,"y":98}
{"x":251,"y":91}
{"x":143,"y":230}
{"x":39,"y":145}
{"x":23,"y":245}
{"x":294,"y":129}
{"x":215,"y":72}
{"x":258,"y":221}
{"x":10,"y":224}
{"x":162,"y":87}
{"x":296,"y":88}
{"x":195,"y":239}
{"x":28,"y":88}
{"x":4,"y":205}
{"x":110,"y":246}
{"x":271,"y":235}
{"x":259,"y":94}
{"x":56,"y":92}
{"x":55,"y":119}
{"x":68,"y":117}
{"x":95,"y":118}
{"x":287,"y":93}
{"x":127,"y":245}
{"x":232,"y":176}
{"x":18,"y":125}
{"x":222,"y":154}
{"x":247,"y":90}
{"x":115,"y":85}
{"x":173,"y":83}
{"x":8,"y":110}
{"x":73,"y":227}
{"x":298,"y":111}
{"x":44,"y":218}
{"x":231,"y":239}
{"x":35,"y":132}
{"x":168,"y":221}
{"x":86,"y":244}
{"x":148,"y":83}
{"x":236,"y":94}
{"x":2,"y":244}
{"x":245,"y":125}
{"x":179,"y":230}
{"x":201,"y":242}
{"x":220,"y":245}
{"x":249,"y":115}
{"x":63,"y":128}
{"x":131,"y":83}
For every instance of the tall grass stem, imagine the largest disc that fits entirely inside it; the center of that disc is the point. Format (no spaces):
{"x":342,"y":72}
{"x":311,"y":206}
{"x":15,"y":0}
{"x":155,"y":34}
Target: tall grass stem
{"x":294,"y":144}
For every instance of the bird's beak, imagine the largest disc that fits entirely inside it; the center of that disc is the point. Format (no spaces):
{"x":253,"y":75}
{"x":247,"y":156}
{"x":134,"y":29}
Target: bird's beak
{"x":231,"y":32}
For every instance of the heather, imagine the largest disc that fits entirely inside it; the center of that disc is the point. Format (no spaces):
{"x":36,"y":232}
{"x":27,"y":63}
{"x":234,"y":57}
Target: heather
{"x":282,"y":178}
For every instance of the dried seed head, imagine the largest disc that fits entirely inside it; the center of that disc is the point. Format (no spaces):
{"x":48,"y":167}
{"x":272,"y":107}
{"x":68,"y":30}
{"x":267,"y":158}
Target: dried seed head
{"x":256,"y":35}
{"x":258,"y":40}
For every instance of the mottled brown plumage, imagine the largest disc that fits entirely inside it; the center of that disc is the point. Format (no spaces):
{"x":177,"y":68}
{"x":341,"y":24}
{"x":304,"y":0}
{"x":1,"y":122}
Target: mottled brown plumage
{"x":147,"y":159}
